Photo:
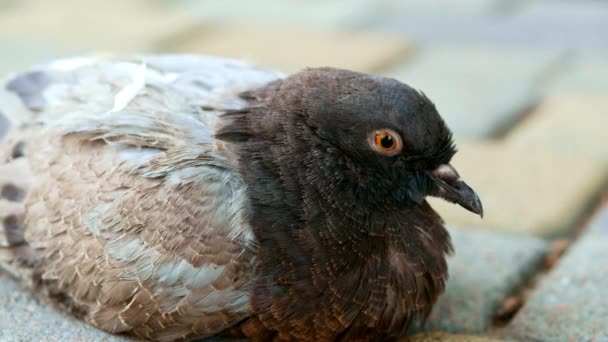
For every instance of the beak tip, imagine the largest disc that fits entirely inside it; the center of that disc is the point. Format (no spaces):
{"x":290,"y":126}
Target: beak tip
{"x":477,"y":206}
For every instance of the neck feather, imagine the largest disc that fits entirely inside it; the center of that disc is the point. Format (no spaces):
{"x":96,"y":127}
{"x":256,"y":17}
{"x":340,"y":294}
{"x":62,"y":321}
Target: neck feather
{"x":316,"y":240}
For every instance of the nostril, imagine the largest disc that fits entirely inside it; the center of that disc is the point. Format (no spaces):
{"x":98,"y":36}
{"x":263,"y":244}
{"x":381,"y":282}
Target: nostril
{"x":447,"y":173}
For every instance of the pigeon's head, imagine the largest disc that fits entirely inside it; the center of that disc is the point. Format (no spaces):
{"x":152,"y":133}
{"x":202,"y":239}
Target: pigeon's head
{"x":384,"y":138}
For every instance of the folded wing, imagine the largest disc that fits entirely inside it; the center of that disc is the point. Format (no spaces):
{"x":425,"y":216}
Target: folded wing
{"x":118,"y":202}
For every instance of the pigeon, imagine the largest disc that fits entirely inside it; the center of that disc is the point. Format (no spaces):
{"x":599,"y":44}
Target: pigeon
{"x":180,"y":197}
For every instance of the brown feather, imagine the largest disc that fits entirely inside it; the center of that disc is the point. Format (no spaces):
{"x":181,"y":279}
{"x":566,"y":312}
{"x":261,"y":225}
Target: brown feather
{"x":122,"y":217}
{"x":151,"y":199}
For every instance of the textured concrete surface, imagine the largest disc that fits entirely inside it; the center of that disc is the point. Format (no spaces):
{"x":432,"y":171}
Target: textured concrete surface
{"x":292,"y":48}
{"x":599,"y":224}
{"x":479,"y":90}
{"x":523,"y":190}
{"x":571,"y":303}
{"x":486,"y":268}
{"x":23,"y":319}
{"x":571,"y":123}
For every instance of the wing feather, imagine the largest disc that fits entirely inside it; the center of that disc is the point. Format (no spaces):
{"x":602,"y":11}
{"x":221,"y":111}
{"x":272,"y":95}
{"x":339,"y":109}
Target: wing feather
{"x":133,"y":212}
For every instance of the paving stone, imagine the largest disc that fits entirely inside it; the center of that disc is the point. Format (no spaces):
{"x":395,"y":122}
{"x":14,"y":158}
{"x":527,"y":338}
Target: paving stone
{"x":571,"y":303}
{"x":6,"y":5}
{"x":437,"y":8}
{"x":587,"y":72}
{"x":478,"y":90}
{"x":292,"y":49}
{"x":447,"y":27}
{"x":302,"y":12}
{"x":447,"y":337}
{"x":23,"y":319}
{"x":540,"y":24}
{"x":522,"y":190}
{"x":487,"y":267}
{"x":572,"y":123}
{"x":580,"y":24}
{"x":599,"y":225}
{"x":117,"y":26}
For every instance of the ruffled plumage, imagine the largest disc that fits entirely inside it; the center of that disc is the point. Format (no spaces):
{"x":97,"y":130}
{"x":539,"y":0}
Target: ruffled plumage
{"x":135,"y":214}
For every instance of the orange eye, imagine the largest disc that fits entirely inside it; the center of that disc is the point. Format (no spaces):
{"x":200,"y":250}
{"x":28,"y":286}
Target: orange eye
{"x":386,"y":141}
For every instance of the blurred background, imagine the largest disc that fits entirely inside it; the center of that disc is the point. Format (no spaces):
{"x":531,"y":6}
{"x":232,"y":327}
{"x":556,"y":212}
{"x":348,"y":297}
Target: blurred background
{"x":523,"y":83}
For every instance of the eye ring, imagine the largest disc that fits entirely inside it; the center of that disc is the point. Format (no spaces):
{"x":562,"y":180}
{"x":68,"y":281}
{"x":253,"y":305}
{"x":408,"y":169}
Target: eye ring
{"x":386,"y":141}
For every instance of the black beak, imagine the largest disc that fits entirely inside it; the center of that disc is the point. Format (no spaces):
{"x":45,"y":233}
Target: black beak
{"x":450,"y":187}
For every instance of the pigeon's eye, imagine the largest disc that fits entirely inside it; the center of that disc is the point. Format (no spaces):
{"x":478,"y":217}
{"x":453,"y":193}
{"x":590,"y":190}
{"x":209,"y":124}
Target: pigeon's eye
{"x":386,"y":141}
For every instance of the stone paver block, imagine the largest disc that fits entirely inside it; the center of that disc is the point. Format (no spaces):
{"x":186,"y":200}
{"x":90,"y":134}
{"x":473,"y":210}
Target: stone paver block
{"x":438,"y":8}
{"x":302,"y":12}
{"x":571,"y":303}
{"x":123,"y":26}
{"x":599,"y":224}
{"x":23,"y":319}
{"x":580,"y":24}
{"x":540,"y":24}
{"x":478,"y":90}
{"x":523,"y":190}
{"x":572,"y":123}
{"x":487,"y":267}
{"x":446,"y":27}
{"x":586,"y":72}
{"x":447,"y":337}
{"x":292,"y":49}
